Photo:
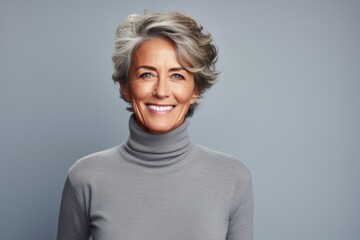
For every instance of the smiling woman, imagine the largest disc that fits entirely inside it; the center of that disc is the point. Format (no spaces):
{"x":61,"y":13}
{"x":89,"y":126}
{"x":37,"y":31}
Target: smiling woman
{"x":160,"y":90}
{"x":159,"y":184}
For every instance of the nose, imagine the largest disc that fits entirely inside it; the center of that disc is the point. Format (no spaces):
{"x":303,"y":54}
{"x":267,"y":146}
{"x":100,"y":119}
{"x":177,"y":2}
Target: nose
{"x":162,"y":88}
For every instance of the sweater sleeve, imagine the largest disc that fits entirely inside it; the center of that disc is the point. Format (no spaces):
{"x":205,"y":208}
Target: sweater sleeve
{"x":73,"y":221}
{"x":240,"y":226}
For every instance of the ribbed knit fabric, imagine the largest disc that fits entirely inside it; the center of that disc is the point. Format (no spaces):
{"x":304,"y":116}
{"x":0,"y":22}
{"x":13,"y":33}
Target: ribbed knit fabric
{"x":157,"y":187}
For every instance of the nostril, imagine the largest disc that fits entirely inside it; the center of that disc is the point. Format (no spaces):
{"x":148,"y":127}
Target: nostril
{"x":162,"y":89}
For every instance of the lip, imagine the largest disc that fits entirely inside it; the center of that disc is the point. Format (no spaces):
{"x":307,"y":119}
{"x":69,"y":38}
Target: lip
{"x":160,"y":108}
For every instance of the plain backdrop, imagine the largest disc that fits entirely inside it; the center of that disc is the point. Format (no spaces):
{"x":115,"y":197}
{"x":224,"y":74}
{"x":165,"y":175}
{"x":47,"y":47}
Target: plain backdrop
{"x":287,"y":103}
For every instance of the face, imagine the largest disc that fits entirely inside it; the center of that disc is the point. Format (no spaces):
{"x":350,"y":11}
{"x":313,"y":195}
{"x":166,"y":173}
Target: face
{"x":160,"y":89}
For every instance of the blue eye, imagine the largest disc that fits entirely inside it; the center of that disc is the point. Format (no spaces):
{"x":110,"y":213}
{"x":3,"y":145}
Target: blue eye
{"x":146,"y":75}
{"x":178,"y":76}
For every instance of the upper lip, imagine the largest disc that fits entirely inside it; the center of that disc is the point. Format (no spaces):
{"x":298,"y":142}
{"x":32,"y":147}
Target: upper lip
{"x":160,"y":105}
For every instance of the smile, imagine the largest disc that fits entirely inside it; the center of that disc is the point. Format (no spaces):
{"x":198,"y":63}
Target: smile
{"x":163,"y":108}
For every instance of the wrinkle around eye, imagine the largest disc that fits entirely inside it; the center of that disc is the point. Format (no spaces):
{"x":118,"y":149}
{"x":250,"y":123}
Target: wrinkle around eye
{"x":146,"y":75}
{"x":178,"y":76}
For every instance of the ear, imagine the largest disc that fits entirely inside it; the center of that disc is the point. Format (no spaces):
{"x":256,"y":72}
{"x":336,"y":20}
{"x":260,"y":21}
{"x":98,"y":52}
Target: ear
{"x":194,"y":97}
{"x":124,"y":90}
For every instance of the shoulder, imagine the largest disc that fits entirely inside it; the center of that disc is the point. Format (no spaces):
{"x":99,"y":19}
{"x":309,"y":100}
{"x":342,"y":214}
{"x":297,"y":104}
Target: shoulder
{"x":224,"y":163}
{"x":86,"y":168}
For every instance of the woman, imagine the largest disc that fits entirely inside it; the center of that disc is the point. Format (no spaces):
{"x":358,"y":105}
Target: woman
{"x":159,"y":184}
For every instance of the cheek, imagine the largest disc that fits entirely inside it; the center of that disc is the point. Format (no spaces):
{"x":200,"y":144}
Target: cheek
{"x":185,"y":94}
{"x":140,"y":91}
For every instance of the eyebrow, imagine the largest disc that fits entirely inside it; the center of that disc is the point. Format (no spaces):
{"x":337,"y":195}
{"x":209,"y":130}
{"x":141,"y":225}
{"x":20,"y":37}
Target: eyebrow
{"x":147,"y":67}
{"x":154,"y":69}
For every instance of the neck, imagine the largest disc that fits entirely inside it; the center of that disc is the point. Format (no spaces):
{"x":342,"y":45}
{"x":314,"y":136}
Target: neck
{"x":158,"y":150}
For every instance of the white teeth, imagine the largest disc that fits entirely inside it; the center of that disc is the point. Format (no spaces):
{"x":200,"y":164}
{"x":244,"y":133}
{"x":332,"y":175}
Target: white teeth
{"x":160,"y":108}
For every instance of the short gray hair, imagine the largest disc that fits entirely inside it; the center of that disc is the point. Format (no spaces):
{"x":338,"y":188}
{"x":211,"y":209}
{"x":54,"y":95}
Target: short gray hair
{"x":194,"y":47}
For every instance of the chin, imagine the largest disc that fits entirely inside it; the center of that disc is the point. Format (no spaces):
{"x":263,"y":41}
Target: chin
{"x":160,"y":128}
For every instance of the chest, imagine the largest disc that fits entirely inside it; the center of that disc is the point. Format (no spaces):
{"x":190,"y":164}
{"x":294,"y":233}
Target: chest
{"x":160,"y":207}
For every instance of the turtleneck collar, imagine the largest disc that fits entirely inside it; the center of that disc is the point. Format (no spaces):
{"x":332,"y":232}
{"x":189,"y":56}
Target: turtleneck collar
{"x":159,"y":151}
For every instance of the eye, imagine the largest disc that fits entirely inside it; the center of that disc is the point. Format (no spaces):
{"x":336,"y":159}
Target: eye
{"x":178,"y":76}
{"x":146,"y":75}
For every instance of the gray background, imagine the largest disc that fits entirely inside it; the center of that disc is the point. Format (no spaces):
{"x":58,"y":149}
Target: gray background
{"x":287,"y":104}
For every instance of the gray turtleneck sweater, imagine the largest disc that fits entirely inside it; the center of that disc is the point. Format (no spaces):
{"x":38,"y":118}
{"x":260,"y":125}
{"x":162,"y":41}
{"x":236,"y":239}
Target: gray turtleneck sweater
{"x":157,"y":187}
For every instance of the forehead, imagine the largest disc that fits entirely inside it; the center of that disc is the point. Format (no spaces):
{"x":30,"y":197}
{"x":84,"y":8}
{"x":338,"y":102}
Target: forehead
{"x":154,"y":51}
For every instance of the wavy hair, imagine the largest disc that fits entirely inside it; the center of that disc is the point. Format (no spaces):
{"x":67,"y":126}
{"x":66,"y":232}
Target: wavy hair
{"x":195,"y":49}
